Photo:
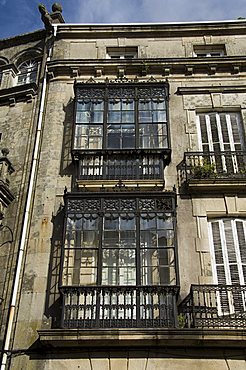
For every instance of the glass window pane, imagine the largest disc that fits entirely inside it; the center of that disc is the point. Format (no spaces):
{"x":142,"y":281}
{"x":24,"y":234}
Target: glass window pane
{"x":111,"y":238}
{"x":83,"y":117}
{"x":96,"y":117}
{"x":148,"y":221}
{"x":165,"y":238}
{"x":114,"y":117}
{"x":127,"y":239}
{"x":128,"y":222}
{"x":156,"y":266}
{"x":114,"y":105}
{"x":98,"y":105}
{"x":128,"y":139}
{"x":80,"y":267}
{"x":127,"y":117}
{"x":148,"y":239}
{"x":159,"y":116}
{"x":127,"y":105}
{"x":111,"y":222}
{"x":145,"y":116}
{"x":152,"y":136}
{"x":145,"y":105}
{"x":118,"y":267}
{"x":118,"y":257}
{"x":83,"y":106}
{"x":119,"y":276}
{"x":158,"y":105}
{"x":113,"y":140}
{"x":94,"y":143}
{"x":161,"y":275}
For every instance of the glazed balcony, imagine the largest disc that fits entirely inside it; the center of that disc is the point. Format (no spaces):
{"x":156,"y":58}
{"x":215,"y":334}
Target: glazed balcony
{"x":214,"y":306}
{"x":119,"y":307}
{"x":221,"y":170}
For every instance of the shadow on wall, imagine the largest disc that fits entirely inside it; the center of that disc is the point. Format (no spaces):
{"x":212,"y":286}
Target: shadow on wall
{"x":53,"y":298}
{"x":67,"y":167}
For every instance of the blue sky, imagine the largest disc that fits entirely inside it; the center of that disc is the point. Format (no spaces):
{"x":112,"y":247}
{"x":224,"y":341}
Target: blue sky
{"x":21,"y":16}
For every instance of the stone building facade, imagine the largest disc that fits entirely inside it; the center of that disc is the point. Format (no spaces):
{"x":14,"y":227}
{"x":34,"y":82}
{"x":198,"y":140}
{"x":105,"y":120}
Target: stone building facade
{"x":122,"y":188}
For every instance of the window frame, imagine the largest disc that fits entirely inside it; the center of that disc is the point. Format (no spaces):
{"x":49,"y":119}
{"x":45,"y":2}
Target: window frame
{"x":103,"y":89}
{"x":221,"y":142}
{"x":116,"y":53}
{"x":72,"y":205}
{"x":26,"y":72}
{"x":209,"y":51}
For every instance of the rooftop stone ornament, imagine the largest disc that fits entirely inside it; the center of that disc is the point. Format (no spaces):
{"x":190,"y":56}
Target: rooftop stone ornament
{"x":45,"y":16}
{"x":51,"y":18}
{"x":56,"y":7}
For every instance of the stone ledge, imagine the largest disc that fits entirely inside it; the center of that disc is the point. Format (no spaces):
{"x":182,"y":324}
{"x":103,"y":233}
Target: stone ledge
{"x":18,"y":93}
{"x":55,"y":338}
{"x":66,"y":68}
{"x":217,"y":185}
{"x":194,"y":90}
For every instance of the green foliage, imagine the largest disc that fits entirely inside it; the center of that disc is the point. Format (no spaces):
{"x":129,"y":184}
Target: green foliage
{"x":206,"y":170}
{"x":181,"y":320}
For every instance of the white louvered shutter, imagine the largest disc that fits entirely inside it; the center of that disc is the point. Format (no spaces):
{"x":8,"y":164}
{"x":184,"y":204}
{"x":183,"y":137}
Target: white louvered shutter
{"x":221,"y":132}
{"x":228,"y":248}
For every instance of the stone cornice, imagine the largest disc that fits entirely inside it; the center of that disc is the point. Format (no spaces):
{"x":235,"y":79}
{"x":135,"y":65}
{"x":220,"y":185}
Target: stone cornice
{"x":22,"y":39}
{"x":143,"y":67}
{"x":151,"y":30}
{"x":194,"y":90}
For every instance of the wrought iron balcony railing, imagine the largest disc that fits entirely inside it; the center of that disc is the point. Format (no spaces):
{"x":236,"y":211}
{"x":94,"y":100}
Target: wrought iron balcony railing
{"x":215,"y":165}
{"x":119,"y":307}
{"x":119,"y":166}
{"x":214,"y":306}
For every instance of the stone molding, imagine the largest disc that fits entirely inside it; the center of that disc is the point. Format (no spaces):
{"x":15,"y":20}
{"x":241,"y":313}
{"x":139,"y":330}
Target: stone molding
{"x":55,"y":338}
{"x":18,"y":93}
{"x":154,"y":66}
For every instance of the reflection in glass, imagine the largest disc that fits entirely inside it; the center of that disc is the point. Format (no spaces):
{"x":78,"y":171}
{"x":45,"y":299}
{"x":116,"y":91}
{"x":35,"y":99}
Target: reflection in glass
{"x":88,"y":137}
{"x":157,"y":266}
{"x":118,"y":267}
{"x":119,"y":231}
{"x":89,"y":112}
{"x":81,"y":250}
{"x":121,"y":136}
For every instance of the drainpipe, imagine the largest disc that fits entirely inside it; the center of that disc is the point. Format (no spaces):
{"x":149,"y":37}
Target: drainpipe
{"x":27,"y":215}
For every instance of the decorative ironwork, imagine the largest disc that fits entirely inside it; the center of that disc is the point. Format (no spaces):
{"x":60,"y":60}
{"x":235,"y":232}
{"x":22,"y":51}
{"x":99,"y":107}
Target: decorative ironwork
{"x":214,"y":306}
{"x":119,"y":307}
{"x":111,"y":204}
{"x":121,"y":167}
{"x":152,"y":93}
{"x":215,"y":165}
{"x":149,"y":91}
{"x":149,"y":204}
{"x":88,"y":93}
{"x":83,"y":205}
{"x":122,"y":92}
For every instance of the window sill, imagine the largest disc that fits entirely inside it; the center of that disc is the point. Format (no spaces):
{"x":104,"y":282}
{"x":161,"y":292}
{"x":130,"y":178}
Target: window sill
{"x":18,"y":93}
{"x":216,"y":185}
{"x":123,"y":184}
{"x":55,"y":338}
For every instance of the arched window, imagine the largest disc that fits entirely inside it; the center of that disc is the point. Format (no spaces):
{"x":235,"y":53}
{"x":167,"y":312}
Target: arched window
{"x":27,"y":72}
